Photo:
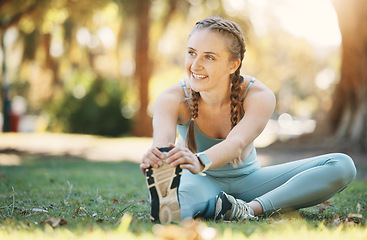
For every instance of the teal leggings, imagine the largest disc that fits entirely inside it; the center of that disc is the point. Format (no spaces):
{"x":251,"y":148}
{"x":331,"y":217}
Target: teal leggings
{"x":278,"y":188}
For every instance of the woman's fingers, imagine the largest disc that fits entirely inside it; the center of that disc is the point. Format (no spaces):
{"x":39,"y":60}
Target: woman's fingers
{"x":178,"y":156}
{"x":175,"y":156}
{"x":158,"y":153}
{"x":184,"y":158}
{"x":144,"y":166}
{"x":152,"y":158}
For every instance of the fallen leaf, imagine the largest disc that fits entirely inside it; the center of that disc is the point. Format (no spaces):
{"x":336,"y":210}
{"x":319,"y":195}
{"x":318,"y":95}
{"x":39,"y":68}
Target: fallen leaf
{"x":354,"y":217}
{"x":77,"y":211}
{"x":115,"y":201}
{"x":188,"y":229}
{"x":63,"y":222}
{"x":358,"y":207}
{"x":24,"y":212}
{"x":100,"y":220}
{"x":169,"y":231}
{"x":337,"y":220}
{"x":54,"y":222}
{"x":350,"y":224}
{"x":322,"y":207}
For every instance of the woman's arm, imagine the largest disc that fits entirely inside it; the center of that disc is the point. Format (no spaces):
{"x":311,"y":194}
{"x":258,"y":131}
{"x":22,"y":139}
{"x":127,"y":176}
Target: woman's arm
{"x":259,"y":105}
{"x":165,"y":118}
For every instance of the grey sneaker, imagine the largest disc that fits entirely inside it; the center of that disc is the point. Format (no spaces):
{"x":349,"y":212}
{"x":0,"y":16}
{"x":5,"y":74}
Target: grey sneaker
{"x":231,"y":209}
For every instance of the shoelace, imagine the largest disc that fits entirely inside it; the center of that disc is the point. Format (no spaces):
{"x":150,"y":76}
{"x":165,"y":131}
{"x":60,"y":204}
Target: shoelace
{"x":243,"y":211}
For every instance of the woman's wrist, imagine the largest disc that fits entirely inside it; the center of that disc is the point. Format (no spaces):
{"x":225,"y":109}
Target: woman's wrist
{"x":204,"y":161}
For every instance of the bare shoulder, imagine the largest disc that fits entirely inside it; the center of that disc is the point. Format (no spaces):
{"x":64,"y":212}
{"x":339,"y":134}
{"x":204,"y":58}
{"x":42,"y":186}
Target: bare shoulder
{"x":259,"y":92}
{"x":173,"y":93}
{"x":172,"y":101}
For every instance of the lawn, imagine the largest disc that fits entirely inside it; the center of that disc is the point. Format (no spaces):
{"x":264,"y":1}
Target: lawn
{"x":68,"y":198}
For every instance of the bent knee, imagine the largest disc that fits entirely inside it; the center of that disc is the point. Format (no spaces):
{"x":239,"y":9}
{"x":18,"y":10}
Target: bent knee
{"x":346,"y":167}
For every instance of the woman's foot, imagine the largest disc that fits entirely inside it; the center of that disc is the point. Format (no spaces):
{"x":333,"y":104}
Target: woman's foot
{"x":231,"y":209}
{"x":163,"y":185}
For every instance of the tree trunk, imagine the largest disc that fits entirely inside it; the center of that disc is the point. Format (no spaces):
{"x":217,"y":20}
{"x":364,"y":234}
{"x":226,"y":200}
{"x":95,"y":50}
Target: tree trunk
{"x":348,"y":116}
{"x":50,"y":65}
{"x":143,"y":122}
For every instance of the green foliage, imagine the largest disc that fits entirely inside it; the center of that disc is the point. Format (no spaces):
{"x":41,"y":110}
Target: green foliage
{"x":93,"y":106}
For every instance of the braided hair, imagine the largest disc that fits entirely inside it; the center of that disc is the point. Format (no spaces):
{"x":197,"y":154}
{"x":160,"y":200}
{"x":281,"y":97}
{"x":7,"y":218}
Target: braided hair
{"x":233,"y":36}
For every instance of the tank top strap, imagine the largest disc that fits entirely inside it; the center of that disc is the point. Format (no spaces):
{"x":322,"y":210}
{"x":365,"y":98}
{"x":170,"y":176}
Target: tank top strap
{"x":248,"y":88}
{"x":183,"y":84}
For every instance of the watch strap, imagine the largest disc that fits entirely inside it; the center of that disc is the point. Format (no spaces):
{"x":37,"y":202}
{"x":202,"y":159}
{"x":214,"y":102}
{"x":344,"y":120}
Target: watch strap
{"x":202,"y":162}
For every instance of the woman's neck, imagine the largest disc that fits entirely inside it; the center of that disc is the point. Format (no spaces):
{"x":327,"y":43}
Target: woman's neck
{"x":217,"y":97}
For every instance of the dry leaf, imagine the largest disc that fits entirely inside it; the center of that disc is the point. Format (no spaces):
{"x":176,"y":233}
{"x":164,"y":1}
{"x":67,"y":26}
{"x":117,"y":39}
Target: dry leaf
{"x":77,"y":211}
{"x":54,"y":222}
{"x":188,"y":229}
{"x":354,"y":217}
{"x":169,"y":232}
{"x":115,"y":201}
{"x":322,"y":207}
{"x":337,"y":220}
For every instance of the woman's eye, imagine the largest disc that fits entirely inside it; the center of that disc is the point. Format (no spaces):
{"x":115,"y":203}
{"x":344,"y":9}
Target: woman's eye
{"x":191,"y":53}
{"x":209,"y":57}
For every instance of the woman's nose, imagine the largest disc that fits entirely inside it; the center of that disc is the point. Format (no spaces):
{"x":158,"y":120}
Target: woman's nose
{"x":196,"y":64}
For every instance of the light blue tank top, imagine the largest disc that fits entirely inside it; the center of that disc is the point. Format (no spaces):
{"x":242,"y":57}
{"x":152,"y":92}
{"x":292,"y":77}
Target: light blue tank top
{"x":204,"y":142}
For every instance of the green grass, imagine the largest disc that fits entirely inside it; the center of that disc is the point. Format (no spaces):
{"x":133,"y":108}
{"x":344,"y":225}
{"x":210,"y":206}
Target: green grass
{"x":92,"y":197}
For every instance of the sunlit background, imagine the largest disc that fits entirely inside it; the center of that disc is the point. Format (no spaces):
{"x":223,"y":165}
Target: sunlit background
{"x":77,"y":65}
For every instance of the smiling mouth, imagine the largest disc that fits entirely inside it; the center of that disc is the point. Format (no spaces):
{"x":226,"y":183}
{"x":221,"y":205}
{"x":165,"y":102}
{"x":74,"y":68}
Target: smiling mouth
{"x":198,"y":76}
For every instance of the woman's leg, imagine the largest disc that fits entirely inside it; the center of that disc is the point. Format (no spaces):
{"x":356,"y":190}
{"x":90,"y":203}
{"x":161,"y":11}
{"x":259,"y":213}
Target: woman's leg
{"x":197,"y":195}
{"x":296,"y":184}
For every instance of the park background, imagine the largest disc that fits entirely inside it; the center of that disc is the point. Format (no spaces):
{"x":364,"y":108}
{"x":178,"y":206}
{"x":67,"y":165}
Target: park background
{"x":96,"y":68}
{"x":79,"y":78}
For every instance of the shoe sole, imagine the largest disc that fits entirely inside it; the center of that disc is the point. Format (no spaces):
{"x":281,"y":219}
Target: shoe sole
{"x":163,"y":183}
{"x":221,"y":207}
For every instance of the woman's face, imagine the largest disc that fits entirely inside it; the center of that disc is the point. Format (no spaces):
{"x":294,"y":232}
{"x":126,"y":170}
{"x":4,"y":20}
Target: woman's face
{"x":208,"y":62}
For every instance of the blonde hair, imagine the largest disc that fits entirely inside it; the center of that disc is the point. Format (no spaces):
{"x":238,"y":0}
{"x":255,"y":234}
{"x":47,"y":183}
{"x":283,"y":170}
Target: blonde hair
{"x":236,"y":45}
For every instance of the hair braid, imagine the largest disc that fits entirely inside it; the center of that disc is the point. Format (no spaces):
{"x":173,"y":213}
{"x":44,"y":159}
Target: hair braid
{"x":194,"y":110}
{"x":236,"y":106}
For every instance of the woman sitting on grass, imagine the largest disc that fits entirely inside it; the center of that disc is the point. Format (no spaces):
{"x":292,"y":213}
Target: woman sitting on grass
{"x":212,"y":172}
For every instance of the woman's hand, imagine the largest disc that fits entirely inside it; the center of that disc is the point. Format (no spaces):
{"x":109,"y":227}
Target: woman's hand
{"x":152,"y":158}
{"x":183,"y":157}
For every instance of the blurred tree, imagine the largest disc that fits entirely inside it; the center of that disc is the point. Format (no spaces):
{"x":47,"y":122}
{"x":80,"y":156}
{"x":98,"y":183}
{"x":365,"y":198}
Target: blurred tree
{"x":143,"y":123}
{"x":144,"y":63}
{"x":5,"y":23}
{"x":348,"y":116}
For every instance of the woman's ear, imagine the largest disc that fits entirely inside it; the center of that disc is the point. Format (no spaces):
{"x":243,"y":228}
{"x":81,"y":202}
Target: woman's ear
{"x":234,"y":65}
